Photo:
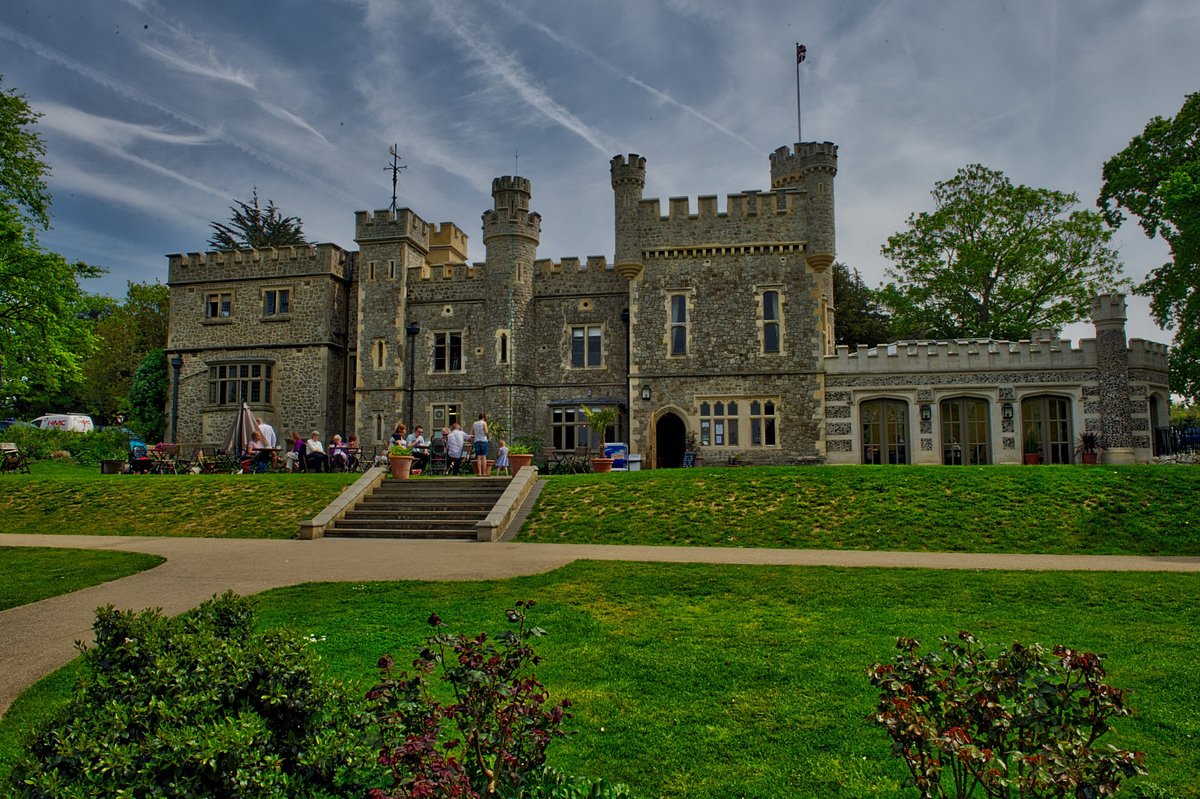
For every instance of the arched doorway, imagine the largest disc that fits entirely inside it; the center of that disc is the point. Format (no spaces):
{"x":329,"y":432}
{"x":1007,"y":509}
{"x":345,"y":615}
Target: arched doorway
{"x":965,"y":433}
{"x":669,"y":438}
{"x":884,"y":431}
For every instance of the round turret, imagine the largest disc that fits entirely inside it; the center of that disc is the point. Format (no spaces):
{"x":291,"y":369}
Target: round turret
{"x":628,"y":181}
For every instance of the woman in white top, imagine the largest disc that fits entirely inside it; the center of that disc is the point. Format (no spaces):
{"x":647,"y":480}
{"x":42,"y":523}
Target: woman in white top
{"x":479,"y":437}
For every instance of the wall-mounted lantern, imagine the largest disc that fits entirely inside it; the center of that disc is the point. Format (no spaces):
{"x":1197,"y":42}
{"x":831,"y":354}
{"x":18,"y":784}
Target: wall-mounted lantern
{"x":1006,"y":411}
{"x":646,"y":393}
{"x":926,"y":412}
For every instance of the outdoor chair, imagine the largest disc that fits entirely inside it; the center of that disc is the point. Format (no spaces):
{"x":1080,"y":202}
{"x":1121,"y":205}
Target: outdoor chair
{"x":12,"y":459}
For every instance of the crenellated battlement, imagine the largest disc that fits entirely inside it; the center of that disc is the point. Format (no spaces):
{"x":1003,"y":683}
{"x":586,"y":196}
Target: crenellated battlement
{"x":743,"y":205}
{"x":511,"y":183}
{"x":386,"y":224}
{"x":452,"y":272}
{"x":593,"y":263}
{"x":267,"y":262}
{"x":1145,"y":354}
{"x":963,"y":355}
{"x":790,"y":166}
{"x":1108,"y":307}
{"x":628,"y":170}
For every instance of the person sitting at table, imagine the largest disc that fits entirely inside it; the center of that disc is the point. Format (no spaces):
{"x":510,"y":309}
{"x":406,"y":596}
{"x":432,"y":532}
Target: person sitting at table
{"x":400,"y":434}
{"x":295,"y":454}
{"x":315,"y":459}
{"x":339,"y":458}
{"x":420,"y":447}
{"x":258,"y":455}
{"x":352,"y":449}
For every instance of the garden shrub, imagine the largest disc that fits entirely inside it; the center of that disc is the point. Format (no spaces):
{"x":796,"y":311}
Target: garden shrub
{"x":197,"y":705}
{"x":999,"y":722}
{"x":491,"y":740}
{"x":87,"y":449}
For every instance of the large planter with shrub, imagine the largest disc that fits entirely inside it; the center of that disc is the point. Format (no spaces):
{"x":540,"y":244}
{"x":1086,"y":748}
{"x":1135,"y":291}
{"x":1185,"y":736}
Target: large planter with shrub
{"x":602,"y":465}
{"x":400,"y":460}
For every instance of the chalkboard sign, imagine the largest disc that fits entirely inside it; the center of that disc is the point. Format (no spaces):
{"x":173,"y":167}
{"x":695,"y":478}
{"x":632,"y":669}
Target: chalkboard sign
{"x":689,"y":460}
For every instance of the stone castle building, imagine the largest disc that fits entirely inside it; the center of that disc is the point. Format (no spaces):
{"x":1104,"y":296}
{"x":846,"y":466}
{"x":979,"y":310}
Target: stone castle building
{"x":711,"y":329}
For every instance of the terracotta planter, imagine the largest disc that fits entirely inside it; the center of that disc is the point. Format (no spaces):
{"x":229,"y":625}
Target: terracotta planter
{"x":519,"y":461}
{"x":1088,"y":458}
{"x":401,"y":466}
{"x":1032,"y":458}
{"x":602,"y":465}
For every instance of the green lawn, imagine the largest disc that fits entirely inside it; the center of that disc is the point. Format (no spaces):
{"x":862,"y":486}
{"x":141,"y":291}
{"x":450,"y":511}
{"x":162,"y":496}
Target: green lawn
{"x":1146,"y":510}
{"x":28,"y":574}
{"x":55,"y":497}
{"x":724,"y":681}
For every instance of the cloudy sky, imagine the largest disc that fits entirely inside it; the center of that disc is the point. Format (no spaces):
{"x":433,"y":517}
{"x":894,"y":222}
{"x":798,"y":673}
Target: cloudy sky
{"x":158,"y":114}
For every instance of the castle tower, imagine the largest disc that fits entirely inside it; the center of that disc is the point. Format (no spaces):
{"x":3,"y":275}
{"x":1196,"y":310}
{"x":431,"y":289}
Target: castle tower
{"x":812,"y":166}
{"x":1112,"y":358}
{"x":390,"y":244}
{"x":511,"y":234}
{"x":628,"y":181}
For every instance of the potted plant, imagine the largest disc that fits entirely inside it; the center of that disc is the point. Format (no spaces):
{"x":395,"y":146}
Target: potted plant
{"x":691,"y":451}
{"x":1033,"y":447}
{"x":599,"y":421}
{"x":1088,"y":448}
{"x":522,"y":452}
{"x":400,"y":459}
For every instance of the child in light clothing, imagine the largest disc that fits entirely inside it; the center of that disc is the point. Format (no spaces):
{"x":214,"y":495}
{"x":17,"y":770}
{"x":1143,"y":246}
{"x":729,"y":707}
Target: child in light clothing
{"x":502,"y":459}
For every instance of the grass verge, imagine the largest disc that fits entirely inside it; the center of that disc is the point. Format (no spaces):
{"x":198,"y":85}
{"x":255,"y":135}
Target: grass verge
{"x":55,"y":497}
{"x":1145,"y":510}
{"x":28,"y":574}
{"x":723,"y":681}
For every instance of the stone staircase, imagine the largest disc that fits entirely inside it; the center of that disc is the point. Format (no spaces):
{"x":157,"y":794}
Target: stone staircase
{"x":443,"y":507}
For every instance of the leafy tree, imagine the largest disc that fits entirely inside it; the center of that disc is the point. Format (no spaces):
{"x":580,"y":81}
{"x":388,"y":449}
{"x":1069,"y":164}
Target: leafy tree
{"x":45,"y":333}
{"x":125,"y":334}
{"x":148,"y":397}
{"x":254,"y":227}
{"x":44,"y":330}
{"x":1157,"y":179}
{"x":860,"y":315}
{"x":22,"y":165}
{"x":998,"y":260}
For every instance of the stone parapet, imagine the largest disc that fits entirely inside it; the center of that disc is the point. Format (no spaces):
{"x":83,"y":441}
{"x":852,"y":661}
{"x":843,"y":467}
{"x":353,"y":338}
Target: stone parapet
{"x":272,"y":262}
{"x":963,"y":355}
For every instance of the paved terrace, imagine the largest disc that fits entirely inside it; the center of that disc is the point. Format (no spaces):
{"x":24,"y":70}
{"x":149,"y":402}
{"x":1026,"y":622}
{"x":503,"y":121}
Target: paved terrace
{"x":36,"y":639}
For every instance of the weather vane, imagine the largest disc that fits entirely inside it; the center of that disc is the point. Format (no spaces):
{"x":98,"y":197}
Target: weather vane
{"x":394,"y":168}
{"x":516,"y":162}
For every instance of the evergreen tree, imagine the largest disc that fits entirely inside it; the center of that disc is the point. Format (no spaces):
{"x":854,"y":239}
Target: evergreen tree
{"x":861,"y":320}
{"x":254,"y":227}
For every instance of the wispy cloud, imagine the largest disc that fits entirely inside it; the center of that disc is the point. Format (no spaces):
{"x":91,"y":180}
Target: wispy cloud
{"x":70,"y":178}
{"x":280,"y":112}
{"x":210,"y":67}
{"x":657,"y":94}
{"x":511,"y":73}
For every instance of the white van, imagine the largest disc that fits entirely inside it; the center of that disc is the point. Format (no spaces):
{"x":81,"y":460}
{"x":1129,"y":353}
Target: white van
{"x":71,"y":422}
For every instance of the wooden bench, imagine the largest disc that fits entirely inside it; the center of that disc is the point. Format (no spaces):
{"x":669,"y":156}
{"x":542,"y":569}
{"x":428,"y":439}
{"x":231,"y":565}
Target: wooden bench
{"x":12,"y":459}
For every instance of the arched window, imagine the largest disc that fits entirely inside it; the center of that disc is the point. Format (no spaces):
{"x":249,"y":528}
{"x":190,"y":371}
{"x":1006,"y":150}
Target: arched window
{"x":770,"y":325}
{"x":965,"y":436}
{"x":1046,"y":428}
{"x":884,"y":431}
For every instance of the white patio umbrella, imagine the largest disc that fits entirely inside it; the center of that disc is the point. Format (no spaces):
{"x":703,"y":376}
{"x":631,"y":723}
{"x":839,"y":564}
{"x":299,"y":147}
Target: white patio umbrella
{"x":238,"y":437}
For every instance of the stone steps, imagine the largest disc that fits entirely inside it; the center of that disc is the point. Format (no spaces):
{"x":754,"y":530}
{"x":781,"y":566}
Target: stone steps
{"x":442,"y":508}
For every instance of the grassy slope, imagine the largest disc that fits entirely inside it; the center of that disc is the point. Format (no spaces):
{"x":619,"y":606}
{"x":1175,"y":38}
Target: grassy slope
{"x":741,"y":681}
{"x":1068,"y":510}
{"x":54,"y":498}
{"x":28,"y":574}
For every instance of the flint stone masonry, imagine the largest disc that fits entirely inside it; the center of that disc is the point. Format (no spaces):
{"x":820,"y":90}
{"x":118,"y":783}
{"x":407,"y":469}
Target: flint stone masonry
{"x":409,"y":326}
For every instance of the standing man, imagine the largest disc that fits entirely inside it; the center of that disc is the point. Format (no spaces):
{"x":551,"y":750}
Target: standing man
{"x":268,"y":434}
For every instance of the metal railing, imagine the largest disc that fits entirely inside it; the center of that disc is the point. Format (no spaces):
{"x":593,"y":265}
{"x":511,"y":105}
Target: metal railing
{"x":1176,"y":441}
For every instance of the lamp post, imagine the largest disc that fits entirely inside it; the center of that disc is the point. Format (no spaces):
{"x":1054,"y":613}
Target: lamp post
{"x":412,"y":330}
{"x":176,"y":366}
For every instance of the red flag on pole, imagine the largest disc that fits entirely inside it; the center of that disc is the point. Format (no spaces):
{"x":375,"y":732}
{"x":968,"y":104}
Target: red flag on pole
{"x":801,"y":52}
